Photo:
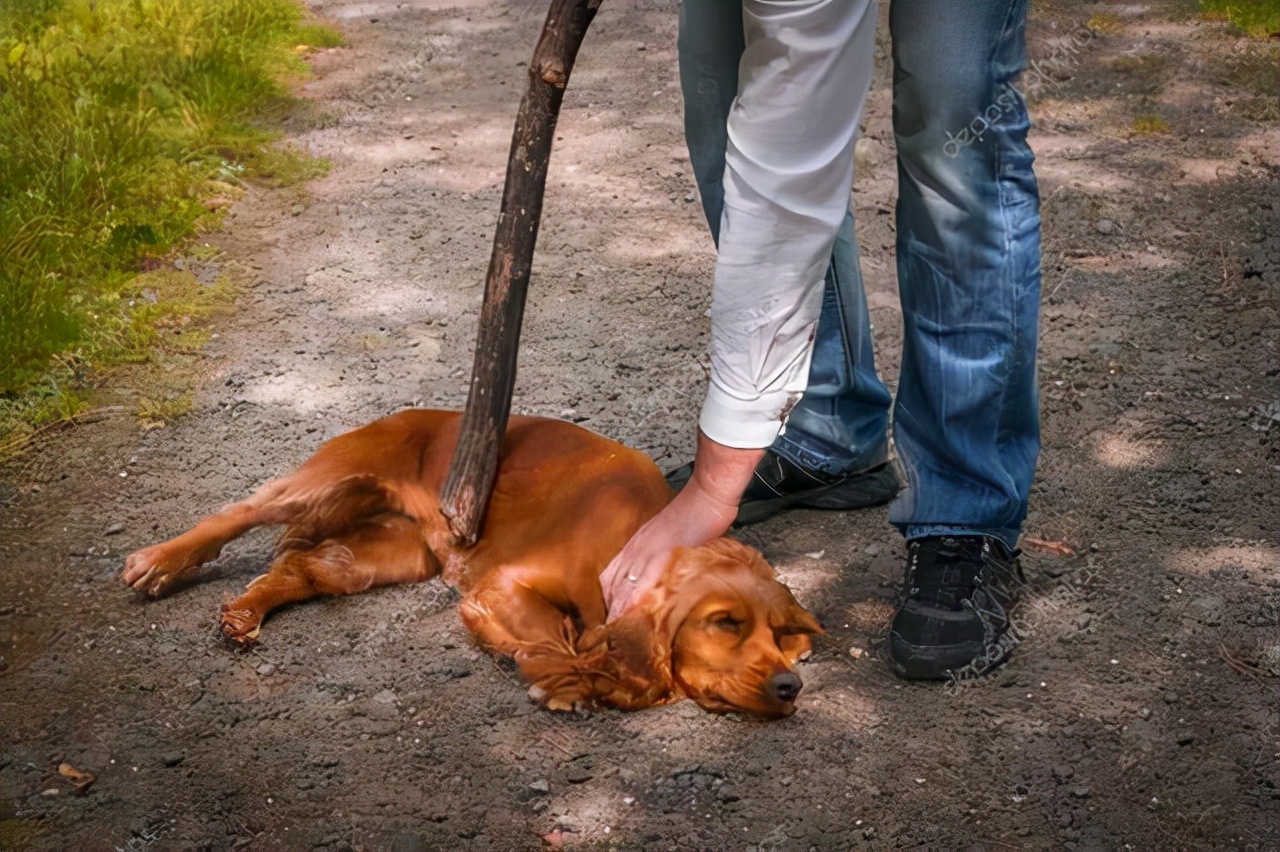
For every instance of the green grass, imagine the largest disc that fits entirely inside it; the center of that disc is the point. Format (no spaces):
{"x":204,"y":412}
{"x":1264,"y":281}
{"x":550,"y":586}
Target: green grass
{"x":119,"y":120}
{"x":1257,"y":18}
{"x":150,"y":357}
{"x":1149,"y":124}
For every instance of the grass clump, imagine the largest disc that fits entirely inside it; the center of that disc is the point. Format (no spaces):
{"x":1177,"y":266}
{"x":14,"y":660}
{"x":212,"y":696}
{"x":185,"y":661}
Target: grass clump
{"x":152,"y":351}
{"x":1104,"y":23}
{"x":1255,"y":18}
{"x":119,"y":121}
{"x":1149,"y":124}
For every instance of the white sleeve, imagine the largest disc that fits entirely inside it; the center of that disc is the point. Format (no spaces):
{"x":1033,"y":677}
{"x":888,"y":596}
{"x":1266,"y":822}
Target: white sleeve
{"x":803,"y":81}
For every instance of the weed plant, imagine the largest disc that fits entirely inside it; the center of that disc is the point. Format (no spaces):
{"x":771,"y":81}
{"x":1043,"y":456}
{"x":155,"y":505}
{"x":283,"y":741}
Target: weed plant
{"x":118,"y":119}
{"x":1257,"y":18}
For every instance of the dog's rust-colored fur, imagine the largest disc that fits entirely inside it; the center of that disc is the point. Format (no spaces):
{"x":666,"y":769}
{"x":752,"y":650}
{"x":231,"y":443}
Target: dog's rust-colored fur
{"x":364,"y":511}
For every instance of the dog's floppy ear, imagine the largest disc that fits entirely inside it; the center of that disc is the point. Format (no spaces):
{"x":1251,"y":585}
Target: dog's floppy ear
{"x":627,"y":663}
{"x":624,"y":664}
{"x":629,"y":660}
{"x":635,"y":651}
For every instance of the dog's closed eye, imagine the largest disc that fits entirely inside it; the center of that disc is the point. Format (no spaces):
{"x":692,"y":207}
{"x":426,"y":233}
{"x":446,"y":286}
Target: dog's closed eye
{"x":726,"y":621}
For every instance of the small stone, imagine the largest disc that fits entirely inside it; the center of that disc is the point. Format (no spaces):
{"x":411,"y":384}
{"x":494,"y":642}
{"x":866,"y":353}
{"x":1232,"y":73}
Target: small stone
{"x":114,"y":529}
{"x":265,"y":669}
{"x":1186,"y":738}
{"x":1081,"y":792}
{"x":857,"y":653}
{"x":541,"y":786}
{"x":1105,"y":226}
{"x":172,"y":758}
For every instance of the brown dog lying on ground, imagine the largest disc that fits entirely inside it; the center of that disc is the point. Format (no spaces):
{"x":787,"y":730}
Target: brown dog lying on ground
{"x":364,"y":511}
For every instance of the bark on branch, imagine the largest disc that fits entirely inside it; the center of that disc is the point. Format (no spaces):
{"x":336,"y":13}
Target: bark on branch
{"x":475,"y":462}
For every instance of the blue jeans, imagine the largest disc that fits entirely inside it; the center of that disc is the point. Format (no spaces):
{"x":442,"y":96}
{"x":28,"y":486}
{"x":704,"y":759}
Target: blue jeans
{"x":966,"y":415}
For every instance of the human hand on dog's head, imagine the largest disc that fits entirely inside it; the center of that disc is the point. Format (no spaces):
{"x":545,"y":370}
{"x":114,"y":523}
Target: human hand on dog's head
{"x":684,"y":522}
{"x":701,"y":512}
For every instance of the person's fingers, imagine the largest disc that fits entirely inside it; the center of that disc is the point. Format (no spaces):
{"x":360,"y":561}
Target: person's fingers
{"x":620,"y":604}
{"x":608,"y":582}
{"x":636,"y":570}
{"x":629,"y":582}
{"x":615,"y":593}
{"x":617,"y":589}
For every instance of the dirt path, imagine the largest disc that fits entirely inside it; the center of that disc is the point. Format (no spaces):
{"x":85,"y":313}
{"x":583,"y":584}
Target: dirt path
{"x":1139,"y":712}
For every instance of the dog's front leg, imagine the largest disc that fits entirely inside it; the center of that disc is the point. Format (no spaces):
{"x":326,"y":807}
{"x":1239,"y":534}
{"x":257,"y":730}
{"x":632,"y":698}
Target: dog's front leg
{"x":512,"y":618}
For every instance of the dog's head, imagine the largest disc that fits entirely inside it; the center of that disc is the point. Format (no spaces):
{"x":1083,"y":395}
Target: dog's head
{"x":719,"y":628}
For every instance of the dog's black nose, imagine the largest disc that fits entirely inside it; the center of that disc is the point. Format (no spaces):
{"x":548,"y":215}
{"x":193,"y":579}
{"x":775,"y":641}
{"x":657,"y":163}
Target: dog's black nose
{"x":786,"y":686}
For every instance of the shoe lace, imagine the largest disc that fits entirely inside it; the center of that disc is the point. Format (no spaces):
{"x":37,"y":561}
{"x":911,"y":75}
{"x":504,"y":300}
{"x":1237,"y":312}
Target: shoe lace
{"x":944,"y":572}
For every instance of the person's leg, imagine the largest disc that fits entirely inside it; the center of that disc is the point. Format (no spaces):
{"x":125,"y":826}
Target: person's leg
{"x":839,"y":428}
{"x":966,"y":416}
{"x":710,"y":46}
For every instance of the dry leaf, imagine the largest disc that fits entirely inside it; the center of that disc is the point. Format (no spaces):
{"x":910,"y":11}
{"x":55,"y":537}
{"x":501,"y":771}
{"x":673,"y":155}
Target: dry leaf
{"x":1049,"y":548}
{"x":82,"y":780}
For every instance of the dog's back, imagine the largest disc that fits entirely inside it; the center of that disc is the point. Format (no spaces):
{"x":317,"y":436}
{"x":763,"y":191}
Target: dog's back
{"x":562,"y":492}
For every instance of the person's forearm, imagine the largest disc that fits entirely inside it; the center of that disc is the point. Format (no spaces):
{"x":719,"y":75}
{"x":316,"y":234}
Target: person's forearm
{"x":723,"y":473}
{"x":788,"y":172}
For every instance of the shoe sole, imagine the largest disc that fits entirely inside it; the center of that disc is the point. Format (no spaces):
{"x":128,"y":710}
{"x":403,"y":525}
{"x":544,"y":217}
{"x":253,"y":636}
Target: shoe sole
{"x":942,"y":662}
{"x":915,"y":662}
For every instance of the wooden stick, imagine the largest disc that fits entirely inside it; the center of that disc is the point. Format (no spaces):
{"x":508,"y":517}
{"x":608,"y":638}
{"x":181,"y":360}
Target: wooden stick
{"x":467,"y":489}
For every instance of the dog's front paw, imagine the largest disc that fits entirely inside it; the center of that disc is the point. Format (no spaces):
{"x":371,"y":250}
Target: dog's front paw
{"x":562,"y":701}
{"x":556,"y":682}
{"x":151,"y":569}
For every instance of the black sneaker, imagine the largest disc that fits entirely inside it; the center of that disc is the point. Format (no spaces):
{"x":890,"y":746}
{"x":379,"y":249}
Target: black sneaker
{"x":778,"y":485}
{"x":954,"y":621}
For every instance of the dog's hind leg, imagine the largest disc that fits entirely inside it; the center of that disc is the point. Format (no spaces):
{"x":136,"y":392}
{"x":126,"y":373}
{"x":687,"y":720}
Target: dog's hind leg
{"x":380,"y":551}
{"x":319,"y":500}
